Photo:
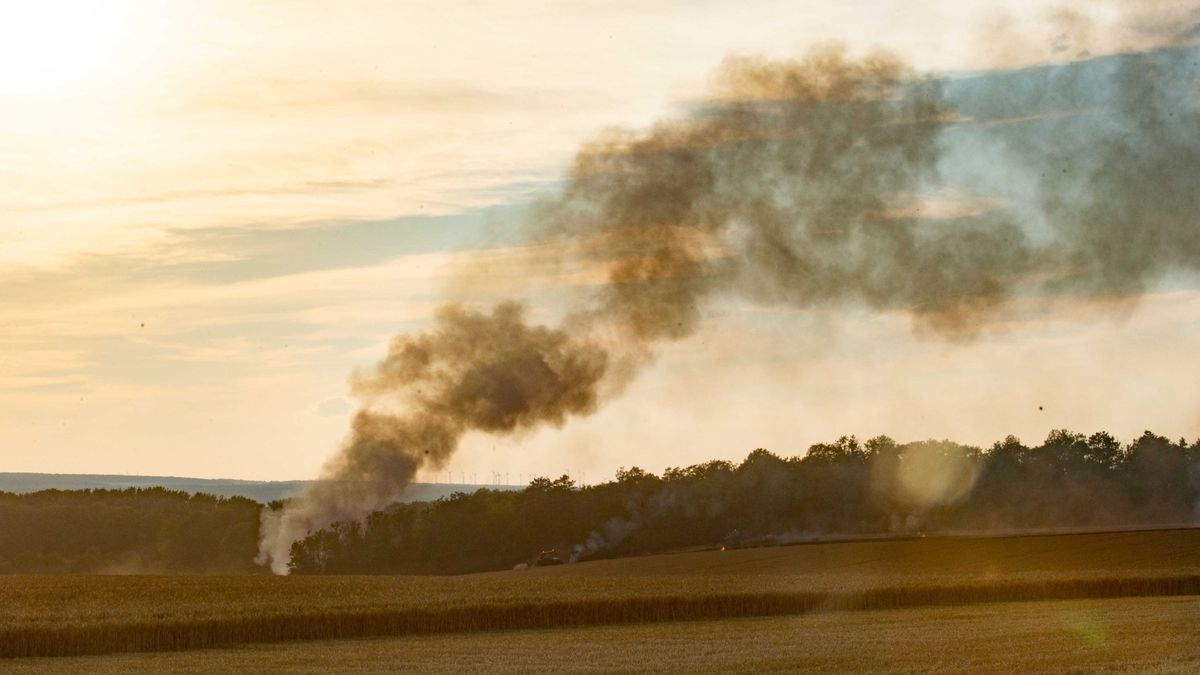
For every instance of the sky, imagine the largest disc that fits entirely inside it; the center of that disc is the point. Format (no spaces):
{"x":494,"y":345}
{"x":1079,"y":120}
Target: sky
{"x":211,"y":213}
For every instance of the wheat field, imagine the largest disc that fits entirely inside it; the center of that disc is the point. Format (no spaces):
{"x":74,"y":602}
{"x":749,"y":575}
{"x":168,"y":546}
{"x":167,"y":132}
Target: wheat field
{"x":1154,"y":635}
{"x":70,"y":615}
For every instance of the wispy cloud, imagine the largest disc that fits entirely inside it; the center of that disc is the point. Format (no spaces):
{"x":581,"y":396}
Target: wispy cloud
{"x":272,"y":115}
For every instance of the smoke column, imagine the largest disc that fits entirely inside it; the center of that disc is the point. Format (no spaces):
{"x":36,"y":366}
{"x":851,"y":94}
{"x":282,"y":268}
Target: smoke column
{"x":812,"y":182}
{"x":473,"y":372}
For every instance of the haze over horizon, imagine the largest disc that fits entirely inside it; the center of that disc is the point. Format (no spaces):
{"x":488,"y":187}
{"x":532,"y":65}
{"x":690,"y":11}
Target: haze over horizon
{"x":207,"y":225}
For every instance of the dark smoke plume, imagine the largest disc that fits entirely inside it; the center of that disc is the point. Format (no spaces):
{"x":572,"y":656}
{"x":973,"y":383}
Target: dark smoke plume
{"x":815,"y":182}
{"x":473,"y":372}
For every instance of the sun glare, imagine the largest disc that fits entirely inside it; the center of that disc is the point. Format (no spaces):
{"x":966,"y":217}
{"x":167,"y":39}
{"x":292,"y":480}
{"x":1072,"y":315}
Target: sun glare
{"x":52,"y":47}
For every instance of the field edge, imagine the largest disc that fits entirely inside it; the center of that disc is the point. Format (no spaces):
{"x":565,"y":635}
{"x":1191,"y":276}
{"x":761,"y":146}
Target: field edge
{"x":183,"y":635}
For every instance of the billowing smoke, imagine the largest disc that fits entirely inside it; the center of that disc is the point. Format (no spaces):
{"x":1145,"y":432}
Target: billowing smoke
{"x":815,"y":182}
{"x":472,"y":372}
{"x":831,"y":181}
{"x":808,"y":174}
{"x":612,"y":533}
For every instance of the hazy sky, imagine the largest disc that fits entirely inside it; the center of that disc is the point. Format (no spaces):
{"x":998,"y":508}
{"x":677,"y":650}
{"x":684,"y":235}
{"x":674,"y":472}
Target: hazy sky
{"x":211,"y":212}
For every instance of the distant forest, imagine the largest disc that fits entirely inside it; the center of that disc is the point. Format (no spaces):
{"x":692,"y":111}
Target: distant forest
{"x":136,"y":530}
{"x":846,"y":487}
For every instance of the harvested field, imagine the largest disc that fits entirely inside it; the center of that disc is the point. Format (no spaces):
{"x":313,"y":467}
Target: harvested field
{"x":86,"y":615}
{"x":1127,"y":635}
{"x":954,"y":559}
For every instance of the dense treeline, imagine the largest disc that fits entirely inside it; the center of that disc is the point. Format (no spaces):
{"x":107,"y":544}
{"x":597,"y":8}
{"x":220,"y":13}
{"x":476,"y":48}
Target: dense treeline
{"x":148,"y":530}
{"x":846,"y":487}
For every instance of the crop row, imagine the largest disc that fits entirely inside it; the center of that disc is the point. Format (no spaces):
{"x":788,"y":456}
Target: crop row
{"x":69,"y":638}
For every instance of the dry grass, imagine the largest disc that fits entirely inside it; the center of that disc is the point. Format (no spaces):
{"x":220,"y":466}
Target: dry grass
{"x":1129,"y":635}
{"x":85,"y":615}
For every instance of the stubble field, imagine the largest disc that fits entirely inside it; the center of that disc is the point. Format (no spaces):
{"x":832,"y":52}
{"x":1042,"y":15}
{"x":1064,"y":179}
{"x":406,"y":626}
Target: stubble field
{"x":79,"y":615}
{"x":1143,"y":635}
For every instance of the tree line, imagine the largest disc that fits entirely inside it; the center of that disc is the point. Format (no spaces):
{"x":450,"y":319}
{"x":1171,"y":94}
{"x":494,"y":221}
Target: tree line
{"x":846,"y":487}
{"x":137,"y":530}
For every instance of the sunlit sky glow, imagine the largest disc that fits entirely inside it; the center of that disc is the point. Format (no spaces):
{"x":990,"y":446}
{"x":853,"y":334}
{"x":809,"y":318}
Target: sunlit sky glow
{"x":211,"y":212}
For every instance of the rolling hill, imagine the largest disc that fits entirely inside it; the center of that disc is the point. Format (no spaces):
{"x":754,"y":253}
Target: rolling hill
{"x":259,"y":491}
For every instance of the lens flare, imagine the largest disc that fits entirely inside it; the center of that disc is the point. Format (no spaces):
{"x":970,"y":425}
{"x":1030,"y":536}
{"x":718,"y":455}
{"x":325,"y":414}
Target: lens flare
{"x":928,"y":476}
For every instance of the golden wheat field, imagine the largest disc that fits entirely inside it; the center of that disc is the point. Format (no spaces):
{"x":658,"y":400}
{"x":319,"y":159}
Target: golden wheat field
{"x":73,"y":615}
{"x":1154,"y":635}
